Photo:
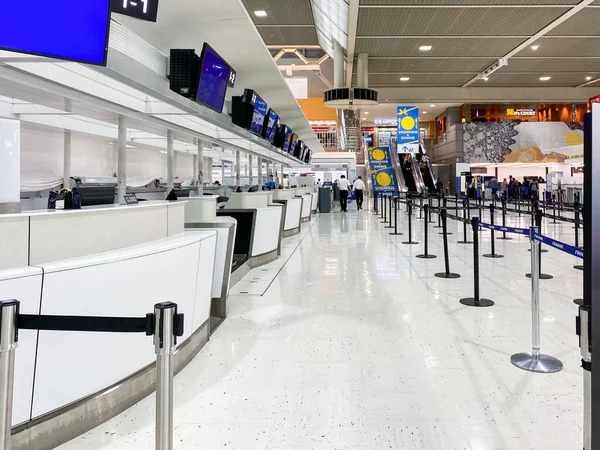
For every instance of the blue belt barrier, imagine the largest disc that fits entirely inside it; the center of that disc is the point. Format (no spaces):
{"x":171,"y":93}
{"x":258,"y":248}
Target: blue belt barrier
{"x":524,"y":231}
{"x":567,"y":248}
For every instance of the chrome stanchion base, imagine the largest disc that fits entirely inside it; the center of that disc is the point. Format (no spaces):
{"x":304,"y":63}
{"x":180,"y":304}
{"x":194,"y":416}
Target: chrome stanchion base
{"x":481,"y":303}
{"x":578,"y":301}
{"x":578,"y":267}
{"x":489,"y":255}
{"x":410,"y":242}
{"x":426,"y":256}
{"x":543,"y":276}
{"x":540,"y":364}
{"x":447,"y":275}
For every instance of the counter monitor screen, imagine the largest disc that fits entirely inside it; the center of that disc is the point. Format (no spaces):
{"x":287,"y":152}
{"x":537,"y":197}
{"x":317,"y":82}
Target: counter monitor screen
{"x":258,"y":117}
{"x":76,"y":31}
{"x":214,"y":77}
{"x":286,"y":139}
{"x":293,"y":142}
{"x":272,"y":122}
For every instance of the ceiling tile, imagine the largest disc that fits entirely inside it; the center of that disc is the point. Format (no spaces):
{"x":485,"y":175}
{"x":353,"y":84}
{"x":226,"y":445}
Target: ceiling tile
{"x":431,"y":65}
{"x":455,"y":21}
{"x":433,"y":79}
{"x":561,"y":46}
{"x":532,"y":79}
{"x":289,"y":36}
{"x":441,"y":47}
{"x":280,"y":12}
{"x":551,"y":65}
{"x":584,"y":23}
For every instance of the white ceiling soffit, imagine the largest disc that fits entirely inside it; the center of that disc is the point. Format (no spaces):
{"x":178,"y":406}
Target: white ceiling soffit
{"x":226,"y":26}
{"x":331,"y":22}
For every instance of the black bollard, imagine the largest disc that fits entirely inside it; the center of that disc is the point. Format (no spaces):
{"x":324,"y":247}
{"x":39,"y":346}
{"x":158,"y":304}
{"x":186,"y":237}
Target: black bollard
{"x":493,"y":241}
{"x":439,"y":225}
{"x":426,"y":255}
{"x":410,"y":241}
{"x":543,"y":276}
{"x":447,"y":273}
{"x":476,"y":300}
{"x":553,"y":207}
{"x":504,"y":236}
{"x":375,"y":202}
{"x":464,"y":221}
{"x":383,"y":208}
{"x":390,"y":211}
{"x":421,"y":206}
{"x":396,"y":199}
{"x":430,"y":208}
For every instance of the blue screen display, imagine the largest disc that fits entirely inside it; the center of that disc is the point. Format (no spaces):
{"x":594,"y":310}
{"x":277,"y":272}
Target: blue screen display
{"x":258,"y":118}
{"x":293,"y":144}
{"x":272,"y":126}
{"x":214,"y":76}
{"x":59,"y":29}
{"x":286,"y":142}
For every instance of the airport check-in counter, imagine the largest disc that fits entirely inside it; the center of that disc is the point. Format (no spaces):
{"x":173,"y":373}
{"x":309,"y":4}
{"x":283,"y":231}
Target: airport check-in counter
{"x":293,"y":210}
{"x":259,"y":229}
{"x":110,"y":261}
{"x":307,"y":201}
{"x":201,"y":215}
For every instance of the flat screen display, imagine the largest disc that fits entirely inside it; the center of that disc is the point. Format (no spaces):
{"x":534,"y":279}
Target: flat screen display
{"x":272,"y":124}
{"x":214,"y":77}
{"x":286,"y":139}
{"x":75,"y":31}
{"x":293,"y":143}
{"x":258,"y":117}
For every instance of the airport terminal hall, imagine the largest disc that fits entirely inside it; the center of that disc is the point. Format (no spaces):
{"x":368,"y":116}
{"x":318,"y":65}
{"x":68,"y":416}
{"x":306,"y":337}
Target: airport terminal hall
{"x":299,"y":224}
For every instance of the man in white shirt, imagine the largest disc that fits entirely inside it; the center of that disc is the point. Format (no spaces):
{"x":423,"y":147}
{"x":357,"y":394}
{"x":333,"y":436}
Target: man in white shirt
{"x":359,"y":190}
{"x":344,"y":188}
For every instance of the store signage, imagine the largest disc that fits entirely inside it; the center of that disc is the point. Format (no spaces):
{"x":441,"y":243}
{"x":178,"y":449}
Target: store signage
{"x":408,"y":129}
{"x":383,"y":174}
{"x":384,"y":121}
{"x":595,"y":99}
{"x":140,"y":9}
{"x":524,"y":112}
{"x":130,"y":199}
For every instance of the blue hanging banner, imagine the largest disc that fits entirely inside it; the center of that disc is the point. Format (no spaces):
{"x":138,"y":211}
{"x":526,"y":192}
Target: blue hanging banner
{"x":383,"y":174}
{"x":408,"y":129}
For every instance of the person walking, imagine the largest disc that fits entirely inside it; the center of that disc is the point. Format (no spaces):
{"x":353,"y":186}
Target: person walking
{"x":344,"y":188}
{"x":359,"y":190}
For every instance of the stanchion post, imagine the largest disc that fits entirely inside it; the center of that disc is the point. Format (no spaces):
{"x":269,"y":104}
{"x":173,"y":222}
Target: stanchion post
{"x":9,"y":309}
{"x":535,"y":361}
{"x":542,"y":276}
{"x":383,"y":208}
{"x":504,"y":236}
{"x":585,"y":343}
{"x":426,"y":254}
{"x":390,"y":212}
{"x":421,"y":206}
{"x":476,"y":300}
{"x":396,"y":199}
{"x":493,"y":240}
{"x":164,"y":344}
{"x":446,"y":273}
{"x":439,"y":224}
{"x":430,"y":208}
{"x":375,"y":201}
{"x":554,"y":207}
{"x":577,"y":226}
{"x":410,"y":241}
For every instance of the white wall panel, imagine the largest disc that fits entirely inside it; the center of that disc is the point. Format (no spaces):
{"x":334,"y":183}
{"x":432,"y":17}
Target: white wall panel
{"x":204,"y":280}
{"x":122,"y":283}
{"x":14,"y":234}
{"x":267,"y":230}
{"x":23,"y":284}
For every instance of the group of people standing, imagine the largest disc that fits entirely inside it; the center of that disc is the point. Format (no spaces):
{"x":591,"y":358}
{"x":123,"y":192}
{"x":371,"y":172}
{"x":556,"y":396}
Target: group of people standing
{"x":512,"y":188}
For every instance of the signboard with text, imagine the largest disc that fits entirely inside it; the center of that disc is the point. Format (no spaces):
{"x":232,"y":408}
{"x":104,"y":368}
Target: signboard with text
{"x":140,"y":9}
{"x":408,"y":129}
{"x":383,"y":174}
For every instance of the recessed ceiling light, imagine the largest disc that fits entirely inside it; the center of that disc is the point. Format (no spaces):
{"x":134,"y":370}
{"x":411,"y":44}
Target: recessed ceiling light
{"x":433,"y":106}
{"x":366,"y":112}
{"x":545,"y":78}
{"x":424,"y":112}
{"x":260,"y":13}
{"x":588,"y":78}
{"x":425,"y":48}
{"x":364,"y":118}
{"x":404,"y":78}
{"x":485,"y":78}
{"x":535,"y":47}
{"x":386,"y":99}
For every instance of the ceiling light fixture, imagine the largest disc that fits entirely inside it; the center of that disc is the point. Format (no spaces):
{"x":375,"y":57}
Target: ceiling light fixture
{"x":366,"y":112}
{"x":485,"y":78}
{"x":425,"y":48}
{"x":260,"y":13}
{"x":404,"y":78}
{"x":424,"y":112}
{"x":588,"y":78}
{"x":535,"y":47}
{"x":545,"y":78}
{"x":433,"y":106}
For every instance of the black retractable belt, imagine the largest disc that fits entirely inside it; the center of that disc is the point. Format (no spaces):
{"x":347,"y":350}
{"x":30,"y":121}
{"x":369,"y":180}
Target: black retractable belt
{"x":476,"y":300}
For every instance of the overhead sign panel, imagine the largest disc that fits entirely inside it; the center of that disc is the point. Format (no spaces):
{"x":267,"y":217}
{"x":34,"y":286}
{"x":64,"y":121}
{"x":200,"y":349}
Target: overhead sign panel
{"x":140,"y":9}
{"x":408,"y":129}
{"x":383,"y":174}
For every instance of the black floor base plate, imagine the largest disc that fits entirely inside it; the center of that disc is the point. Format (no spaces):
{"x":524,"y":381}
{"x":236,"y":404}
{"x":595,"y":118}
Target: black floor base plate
{"x":464,"y":242}
{"x":447,"y":275}
{"x":578,"y":301}
{"x":396,"y":234}
{"x":426,"y":256}
{"x":482,"y":303}
{"x":543,"y":276}
{"x":489,"y":255}
{"x":505,"y":238}
{"x":578,"y":267}
{"x":410,"y":242}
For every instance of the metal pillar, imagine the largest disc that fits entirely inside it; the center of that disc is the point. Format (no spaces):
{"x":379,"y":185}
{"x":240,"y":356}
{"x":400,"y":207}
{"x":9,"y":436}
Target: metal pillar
{"x":121,"y":160}
{"x":208,"y":169}
{"x":362,"y":70}
{"x":170,"y":161}
{"x":250,"y":177}
{"x":268,"y":168}
{"x":8,"y":345}
{"x":260,"y":173}
{"x":237,"y":167}
{"x":164,"y":344}
{"x":200,"y":168}
{"x":338,"y":64}
{"x":67,"y":159}
{"x":282,"y":177}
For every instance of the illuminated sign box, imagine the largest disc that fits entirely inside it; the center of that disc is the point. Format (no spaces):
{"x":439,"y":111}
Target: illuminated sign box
{"x":526,"y":112}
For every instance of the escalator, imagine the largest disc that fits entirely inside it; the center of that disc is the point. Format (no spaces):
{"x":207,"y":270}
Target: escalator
{"x":406,"y":163}
{"x":427,"y":174}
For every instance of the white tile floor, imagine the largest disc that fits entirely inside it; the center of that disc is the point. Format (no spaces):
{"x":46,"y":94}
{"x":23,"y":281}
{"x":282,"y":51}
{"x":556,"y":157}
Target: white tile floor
{"x":356,"y":345}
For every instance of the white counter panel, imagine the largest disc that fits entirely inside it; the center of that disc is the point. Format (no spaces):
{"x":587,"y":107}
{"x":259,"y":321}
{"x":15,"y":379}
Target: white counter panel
{"x":201,"y":209}
{"x":247,"y":200}
{"x":315,"y":201}
{"x":176,"y":218}
{"x":267,"y":230}
{"x":23,"y":284}
{"x":126,"y":282}
{"x":204,"y":281}
{"x":67,"y":235}
{"x":306,"y":205}
{"x":14,"y":235}
{"x":292,"y":214}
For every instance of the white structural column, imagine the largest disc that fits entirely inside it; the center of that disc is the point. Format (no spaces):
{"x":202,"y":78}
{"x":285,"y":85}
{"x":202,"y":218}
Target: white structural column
{"x":194,"y":170}
{"x":362,"y":70}
{"x":251,"y":178}
{"x":10,"y":166}
{"x":268,"y":167}
{"x":121,"y":159}
{"x":237,"y":167}
{"x":222,"y":171}
{"x":338,"y":64}
{"x":200,"y":169}
{"x":281,"y":176}
{"x":67,"y":158}
{"x":208,"y":168}
{"x":260,"y":173}
{"x":170,"y":161}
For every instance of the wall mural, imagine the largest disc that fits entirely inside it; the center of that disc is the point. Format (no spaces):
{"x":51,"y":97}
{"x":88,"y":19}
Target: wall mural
{"x":533,"y":142}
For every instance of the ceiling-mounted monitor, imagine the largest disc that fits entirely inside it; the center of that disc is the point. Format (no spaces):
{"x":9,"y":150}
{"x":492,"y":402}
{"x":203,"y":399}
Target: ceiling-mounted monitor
{"x":75,"y":31}
{"x":293,"y":144}
{"x":308,"y":156}
{"x":258,"y":115}
{"x":270,"y":126}
{"x":214,"y":78}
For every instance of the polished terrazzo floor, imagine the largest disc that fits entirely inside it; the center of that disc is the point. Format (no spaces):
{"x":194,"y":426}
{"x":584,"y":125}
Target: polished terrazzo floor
{"x":356,"y":345}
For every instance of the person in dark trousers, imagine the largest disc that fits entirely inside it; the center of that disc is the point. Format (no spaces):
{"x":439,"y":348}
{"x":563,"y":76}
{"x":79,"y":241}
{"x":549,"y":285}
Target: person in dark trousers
{"x":344,"y":188}
{"x":359,"y":190}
